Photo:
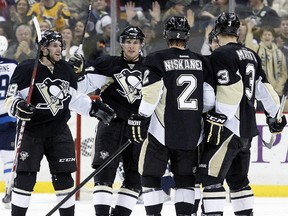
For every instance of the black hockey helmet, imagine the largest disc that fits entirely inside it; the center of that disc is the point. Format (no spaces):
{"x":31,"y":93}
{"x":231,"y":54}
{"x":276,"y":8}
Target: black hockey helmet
{"x":132,"y":32}
{"x":176,"y":27}
{"x":227,"y":23}
{"x":49,"y":36}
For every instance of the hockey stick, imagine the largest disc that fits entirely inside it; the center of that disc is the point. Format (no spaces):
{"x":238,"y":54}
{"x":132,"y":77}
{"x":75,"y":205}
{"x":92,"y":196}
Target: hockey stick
{"x":270,"y":144}
{"x":18,"y":138}
{"x":80,"y":48}
{"x":95,"y":172}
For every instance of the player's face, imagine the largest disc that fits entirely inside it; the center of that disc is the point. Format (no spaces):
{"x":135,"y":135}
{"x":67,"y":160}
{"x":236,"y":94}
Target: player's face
{"x":55,"y":49}
{"x":131,"y":48}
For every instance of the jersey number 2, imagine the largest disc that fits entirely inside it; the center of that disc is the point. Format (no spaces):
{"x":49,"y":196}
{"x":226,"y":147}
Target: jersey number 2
{"x":184,"y":101}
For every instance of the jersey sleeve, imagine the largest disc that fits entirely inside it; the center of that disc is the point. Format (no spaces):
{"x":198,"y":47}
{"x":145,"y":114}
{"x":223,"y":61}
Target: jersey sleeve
{"x":151,"y":70}
{"x":152,"y":88}
{"x":19,"y":83}
{"x":229,"y":85}
{"x":97,"y":75}
{"x":265,"y":92}
{"x":80,"y":103}
{"x":208,"y":85}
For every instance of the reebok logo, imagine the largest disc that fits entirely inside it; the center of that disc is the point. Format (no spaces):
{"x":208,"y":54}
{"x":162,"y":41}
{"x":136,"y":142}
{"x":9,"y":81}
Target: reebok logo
{"x":202,"y":165}
{"x":134,"y":122}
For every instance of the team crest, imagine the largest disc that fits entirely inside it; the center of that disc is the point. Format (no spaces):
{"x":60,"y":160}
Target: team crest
{"x":131,"y":84}
{"x":104,"y":155}
{"x":54,"y":92}
{"x":24,"y":155}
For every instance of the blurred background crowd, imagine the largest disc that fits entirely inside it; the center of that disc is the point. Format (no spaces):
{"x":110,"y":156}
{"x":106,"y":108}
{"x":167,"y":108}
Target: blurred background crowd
{"x":264,"y":27}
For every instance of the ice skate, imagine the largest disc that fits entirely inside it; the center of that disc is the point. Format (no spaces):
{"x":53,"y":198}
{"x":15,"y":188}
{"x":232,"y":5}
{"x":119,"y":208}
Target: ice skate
{"x":6,"y":200}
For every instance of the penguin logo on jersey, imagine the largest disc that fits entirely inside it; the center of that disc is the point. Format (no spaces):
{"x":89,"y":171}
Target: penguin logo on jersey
{"x":24,"y":155}
{"x":131,"y":84}
{"x":54,"y":92}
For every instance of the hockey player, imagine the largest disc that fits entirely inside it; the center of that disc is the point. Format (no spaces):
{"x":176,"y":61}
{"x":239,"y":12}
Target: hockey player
{"x":120,"y":81}
{"x":7,"y":123}
{"x":173,"y":96}
{"x":230,"y":128}
{"x":46,"y":130}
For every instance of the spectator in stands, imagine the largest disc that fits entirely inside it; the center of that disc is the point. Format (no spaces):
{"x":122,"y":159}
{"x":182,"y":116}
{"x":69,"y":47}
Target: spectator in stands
{"x":281,"y":7}
{"x":45,"y":25}
{"x":70,"y":48}
{"x":99,"y":9}
{"x":151,"y":43}
{"x":100,"y":42}
{"x":261,"y":15}
{"x":56,"y":12}
{"x":177,"y":8}
{"x":243,"y":31}
{"x":25,"y":47}
{"x":211,"y":10}
{"x":78,"y":32}
{"x":18,"y":13}
{"x":282,"y":43}
{"x":273,"y":60}
{"x":282,"y":39}
{"x":78,"y":10}
{"x":5,"y":30}
{"x":134,"y":15}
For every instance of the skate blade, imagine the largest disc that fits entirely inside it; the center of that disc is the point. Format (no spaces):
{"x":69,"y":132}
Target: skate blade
{"x":7,"y":205}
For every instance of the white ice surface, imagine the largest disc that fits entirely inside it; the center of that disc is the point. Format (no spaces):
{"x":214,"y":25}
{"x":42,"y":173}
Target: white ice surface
{"x":41,"y":204}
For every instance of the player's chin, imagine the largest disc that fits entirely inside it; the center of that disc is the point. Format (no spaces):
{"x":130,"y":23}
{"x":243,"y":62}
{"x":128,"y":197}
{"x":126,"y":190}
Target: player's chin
{"x":57,"y":57}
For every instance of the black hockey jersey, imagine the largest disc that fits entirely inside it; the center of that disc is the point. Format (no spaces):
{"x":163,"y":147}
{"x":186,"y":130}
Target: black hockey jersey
{"x":172,"y":93}
{"x":240,"y":80}
{"x":120,"y":82}
{"x":53,"y":95}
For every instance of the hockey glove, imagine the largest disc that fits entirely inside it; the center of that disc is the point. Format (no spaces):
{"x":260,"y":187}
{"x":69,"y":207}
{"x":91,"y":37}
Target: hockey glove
{"x":138,"y":128}
{"x":214,"y":127}
{"x":276,"y":126}
{"x":102,"y":111}
{"x":21,"y":110}
{"x":77,"y":61}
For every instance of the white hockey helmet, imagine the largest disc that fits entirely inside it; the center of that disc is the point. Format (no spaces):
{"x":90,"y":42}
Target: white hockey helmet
{"x":3,"y":45}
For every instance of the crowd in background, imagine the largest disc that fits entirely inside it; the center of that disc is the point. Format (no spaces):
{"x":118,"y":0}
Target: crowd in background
{"x":264,"y":27}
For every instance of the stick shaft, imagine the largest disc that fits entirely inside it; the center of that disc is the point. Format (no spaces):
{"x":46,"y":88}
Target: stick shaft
{"x":95,"y":172}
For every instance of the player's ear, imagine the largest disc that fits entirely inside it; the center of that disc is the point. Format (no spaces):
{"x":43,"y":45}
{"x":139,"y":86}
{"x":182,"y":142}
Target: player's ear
{"x":44,"y":50}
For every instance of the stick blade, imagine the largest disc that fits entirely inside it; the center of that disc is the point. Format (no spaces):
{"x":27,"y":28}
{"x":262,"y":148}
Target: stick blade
{"x":37,"y":27}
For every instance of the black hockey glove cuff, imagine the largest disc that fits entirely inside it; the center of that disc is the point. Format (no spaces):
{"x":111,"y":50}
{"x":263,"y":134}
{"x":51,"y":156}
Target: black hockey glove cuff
{"x":276,"y":126}
{"x":21,"y":110}
{"x":213,"y":127}
{"x":138,"y":128}
{"x":77,"y":61}
{"x":102,"y":111}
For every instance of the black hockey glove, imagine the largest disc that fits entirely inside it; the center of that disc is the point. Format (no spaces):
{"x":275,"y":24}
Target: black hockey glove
{"x":21,"y":110}
{"x":138,"y":128}
{"x":102,"y":111}
{"x":214,"y":127}
{"x":77,"y":61}
{"x":276,"y":126}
